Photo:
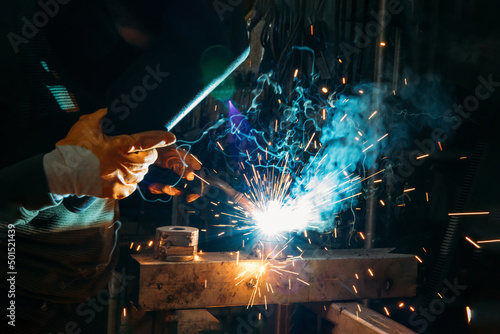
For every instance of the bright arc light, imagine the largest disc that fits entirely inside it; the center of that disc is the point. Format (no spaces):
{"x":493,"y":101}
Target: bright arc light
{"x":278,"y":217}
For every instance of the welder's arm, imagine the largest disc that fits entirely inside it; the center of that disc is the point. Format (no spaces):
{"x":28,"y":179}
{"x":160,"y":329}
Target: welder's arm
{"x":85,"y":163}
{"x":89,"y":163}
{"x":24,"y":191}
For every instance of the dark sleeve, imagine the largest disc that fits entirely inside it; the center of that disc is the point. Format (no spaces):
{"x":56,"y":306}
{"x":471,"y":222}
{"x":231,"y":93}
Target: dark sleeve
{"x":24,"y":191}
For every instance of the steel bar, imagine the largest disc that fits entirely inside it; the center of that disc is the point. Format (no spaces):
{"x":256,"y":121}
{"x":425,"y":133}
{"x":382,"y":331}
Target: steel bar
{"x":217,"y":279}
{"x":356,"y":318}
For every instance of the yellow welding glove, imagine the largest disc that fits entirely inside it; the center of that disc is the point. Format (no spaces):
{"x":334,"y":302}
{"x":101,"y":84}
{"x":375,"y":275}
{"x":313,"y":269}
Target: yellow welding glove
{"x":181,"y":162}
{"x":87,"y":162}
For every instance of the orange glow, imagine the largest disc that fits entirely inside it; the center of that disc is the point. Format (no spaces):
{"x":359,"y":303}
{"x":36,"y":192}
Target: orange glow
{"x":472,"y":242}
{"x":467,"y":213}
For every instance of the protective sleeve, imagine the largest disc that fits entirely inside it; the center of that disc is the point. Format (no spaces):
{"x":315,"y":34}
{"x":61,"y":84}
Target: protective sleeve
{"x":24,"y":191}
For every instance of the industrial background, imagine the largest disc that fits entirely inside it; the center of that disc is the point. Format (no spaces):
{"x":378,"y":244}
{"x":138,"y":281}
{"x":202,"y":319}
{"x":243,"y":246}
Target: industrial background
{"x":439,"y":48}
{"x":416,"y":248}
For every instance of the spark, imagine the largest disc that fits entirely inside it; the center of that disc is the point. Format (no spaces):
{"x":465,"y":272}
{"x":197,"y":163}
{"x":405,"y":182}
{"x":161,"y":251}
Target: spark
{"x":440,"y":147}
{"x":131,"y":245}
{"x":427,"y":196}
{"x":383,"y":137}
{"x":359,"y":307}
{"x":150,"y":243}
{"x":345,"y":115}
{"x":138,"y":247}
{"x":412,"y":308}
{"x":418,"y":259}
{"x":324,"y":90}
{"x":382,"y":202}
{"x":312,"y":30}
{"x":488,"y":241}
{"x":370,"y":272}
{"x":386,"y":311}
{"x":309,"y":142}
{"x":298,"y":279}
{"x":362,"y":235}
{"x":467,"y":213}
{"x":237,"y":257}
{"x":382,"y":43}
{"x":201,"y":178}
{"x":472,"y":242}
{"x":377,"y":181}
{"x":296,"y":73}
{"x":355,"y":290}
{"x":220,"y":146}
{"x":373,"y":114}
{"x":408,"y":190}
{"x":469,"y":314}
{"x":401,"y":304}
{"x":124,"y":312}
{"x":422,"y":156}
{"x":462,"y":158}
{"x":367,"y":148}
{"x":343,"y":81}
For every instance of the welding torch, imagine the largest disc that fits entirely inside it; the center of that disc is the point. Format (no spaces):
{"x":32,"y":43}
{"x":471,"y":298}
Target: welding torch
{"x":203,"y":185}
{"x":237,"y":197}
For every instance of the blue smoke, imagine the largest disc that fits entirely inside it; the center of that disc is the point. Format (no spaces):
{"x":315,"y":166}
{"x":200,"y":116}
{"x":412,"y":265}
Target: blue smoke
{"x":329,"y":144}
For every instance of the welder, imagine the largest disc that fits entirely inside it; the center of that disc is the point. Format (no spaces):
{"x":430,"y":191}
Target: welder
{"x":61,"y":172}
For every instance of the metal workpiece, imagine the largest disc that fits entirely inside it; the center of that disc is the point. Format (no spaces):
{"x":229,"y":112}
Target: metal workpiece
{"x":176,"y":243}
{"x":229,"y":279}
{"x":354,"y":317}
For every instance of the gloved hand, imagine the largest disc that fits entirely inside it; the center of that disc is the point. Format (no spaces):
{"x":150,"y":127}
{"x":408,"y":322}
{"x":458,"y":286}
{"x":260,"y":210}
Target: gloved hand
{"x":181,"y":162}
{"x":87,"y":162}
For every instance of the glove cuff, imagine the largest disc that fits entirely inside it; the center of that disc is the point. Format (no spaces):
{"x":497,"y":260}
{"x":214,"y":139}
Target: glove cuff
{"x":72,"y":170}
